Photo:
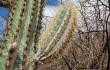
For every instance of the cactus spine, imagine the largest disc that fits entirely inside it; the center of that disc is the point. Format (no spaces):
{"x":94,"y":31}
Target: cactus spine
{"x":56,"y":37}
{"x":20,"y":32}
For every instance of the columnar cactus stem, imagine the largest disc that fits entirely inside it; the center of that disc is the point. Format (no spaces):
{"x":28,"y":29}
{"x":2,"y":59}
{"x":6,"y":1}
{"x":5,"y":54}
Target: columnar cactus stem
{"x":34,"y":26}
{"x":21,"y":30}
{"x":12,"y":31}
{"x":22,"y":42}
{"x":56,"y":36}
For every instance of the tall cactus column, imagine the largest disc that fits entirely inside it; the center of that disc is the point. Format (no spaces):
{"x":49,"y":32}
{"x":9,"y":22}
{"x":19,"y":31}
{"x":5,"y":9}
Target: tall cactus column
{"x":33,"y":32}
{"x":12,"y":30}
{"x":20,"y":32}
{"x":24,"y":33}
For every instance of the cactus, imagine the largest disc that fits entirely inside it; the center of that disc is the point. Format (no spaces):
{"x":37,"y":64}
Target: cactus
{"x":23,"y":28}
{"x":21,"y":31}
{"x":57,"y":34}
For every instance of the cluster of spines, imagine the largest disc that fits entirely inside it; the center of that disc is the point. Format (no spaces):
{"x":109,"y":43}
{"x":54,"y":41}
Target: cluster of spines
{"x":7,"y":3}
{"x":57,"y":35}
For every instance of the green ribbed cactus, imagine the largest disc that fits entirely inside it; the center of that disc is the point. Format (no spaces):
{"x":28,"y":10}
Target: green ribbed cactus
{"x":21,"y":31}
{"x":58,"y":33}
{"x":23,"y":28}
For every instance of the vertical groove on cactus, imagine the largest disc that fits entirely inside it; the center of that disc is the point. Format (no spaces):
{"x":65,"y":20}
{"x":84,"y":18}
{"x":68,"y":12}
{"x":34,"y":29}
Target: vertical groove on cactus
{"x":39,"y":26}
{"x":57,"y":35}
{"x":37,"y":31}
